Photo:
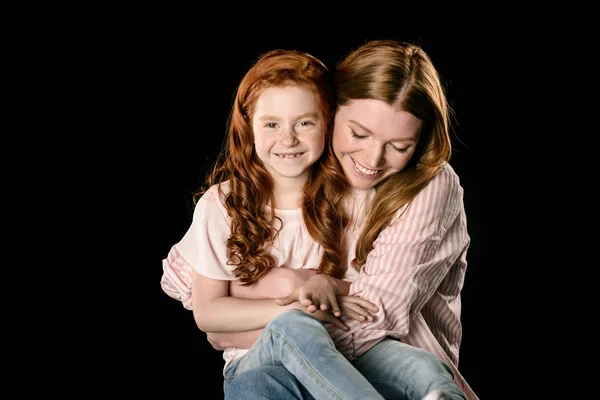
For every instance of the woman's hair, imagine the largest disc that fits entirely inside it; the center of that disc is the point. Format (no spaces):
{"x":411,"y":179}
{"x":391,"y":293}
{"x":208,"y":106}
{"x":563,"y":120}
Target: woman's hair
{"x":252,"y":228}
{"x":403,"y":76}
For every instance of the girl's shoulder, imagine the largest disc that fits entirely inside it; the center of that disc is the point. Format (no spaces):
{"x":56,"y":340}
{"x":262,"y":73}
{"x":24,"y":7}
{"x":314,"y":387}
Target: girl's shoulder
{"x":213,"y":199}
{"x":216,"y":192}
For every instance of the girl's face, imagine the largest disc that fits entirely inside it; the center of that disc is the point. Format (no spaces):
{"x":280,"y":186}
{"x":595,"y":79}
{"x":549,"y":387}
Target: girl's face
{"x":289,"y":131}
{"x":372,"y":140}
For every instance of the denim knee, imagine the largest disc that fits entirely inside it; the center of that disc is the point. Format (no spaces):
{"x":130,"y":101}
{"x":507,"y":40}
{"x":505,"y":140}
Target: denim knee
{"x":429,"y":363}
{"x":293,"y":319}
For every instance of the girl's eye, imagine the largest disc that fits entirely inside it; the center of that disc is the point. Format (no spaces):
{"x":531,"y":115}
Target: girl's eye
{"x":305,"y":123}
{"x":271,"y":125}
{"x":354,"y":134}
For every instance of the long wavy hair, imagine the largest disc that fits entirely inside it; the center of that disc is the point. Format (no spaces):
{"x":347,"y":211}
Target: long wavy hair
{"x":252,"y":227}
{"x":403,"y":76}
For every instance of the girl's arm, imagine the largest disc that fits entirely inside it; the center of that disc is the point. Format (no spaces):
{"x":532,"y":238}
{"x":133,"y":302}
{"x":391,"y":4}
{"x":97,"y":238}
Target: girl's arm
{"x":216,"y":311}
{"x":277,"y":282}
{"x":319,"y":292}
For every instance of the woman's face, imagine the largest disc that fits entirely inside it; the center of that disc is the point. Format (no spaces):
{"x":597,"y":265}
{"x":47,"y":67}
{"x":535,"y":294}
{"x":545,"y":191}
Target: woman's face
{"x":372,"y":141}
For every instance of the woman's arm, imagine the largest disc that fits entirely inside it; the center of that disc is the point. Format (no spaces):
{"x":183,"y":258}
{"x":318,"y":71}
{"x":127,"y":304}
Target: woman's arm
{"x":224,"y":340}
{"x":410,"y":259}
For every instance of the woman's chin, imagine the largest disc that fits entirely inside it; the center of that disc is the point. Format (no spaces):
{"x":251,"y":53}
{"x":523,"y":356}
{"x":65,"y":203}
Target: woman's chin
{"x":361,"y":183}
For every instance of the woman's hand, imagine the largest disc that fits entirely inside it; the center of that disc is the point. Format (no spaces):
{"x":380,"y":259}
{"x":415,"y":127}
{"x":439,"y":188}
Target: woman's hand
{"x":357,"y":308}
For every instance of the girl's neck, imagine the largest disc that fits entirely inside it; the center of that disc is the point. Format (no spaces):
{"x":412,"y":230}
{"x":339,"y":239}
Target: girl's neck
{"x":288,"y":192}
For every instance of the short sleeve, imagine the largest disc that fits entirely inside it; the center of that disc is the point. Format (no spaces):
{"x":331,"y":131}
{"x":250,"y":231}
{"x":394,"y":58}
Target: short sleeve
{"x":203,"y":248}
{"x":204,"y":245}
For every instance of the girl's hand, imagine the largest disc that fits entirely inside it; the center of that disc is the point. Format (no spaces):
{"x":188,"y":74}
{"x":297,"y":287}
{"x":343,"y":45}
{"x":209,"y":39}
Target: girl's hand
{"x":319,"y":292}
{"x":322,"y":316}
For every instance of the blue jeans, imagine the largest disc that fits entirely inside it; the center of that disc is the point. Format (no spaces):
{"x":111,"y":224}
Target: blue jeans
{"x":295,"y":358}
{"x":269,"y":382}
{"x":400,"y":371}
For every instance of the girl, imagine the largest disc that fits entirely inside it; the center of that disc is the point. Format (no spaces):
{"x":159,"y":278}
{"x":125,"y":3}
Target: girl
{"x":274,"y":200}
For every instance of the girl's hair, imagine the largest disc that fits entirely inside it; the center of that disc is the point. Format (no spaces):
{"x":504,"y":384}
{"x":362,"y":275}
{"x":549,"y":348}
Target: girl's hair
{"x":252,"y":228}
{"x":403,"y":76}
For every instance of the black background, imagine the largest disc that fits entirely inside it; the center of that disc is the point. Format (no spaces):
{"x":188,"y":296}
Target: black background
{"x":170,"y":91}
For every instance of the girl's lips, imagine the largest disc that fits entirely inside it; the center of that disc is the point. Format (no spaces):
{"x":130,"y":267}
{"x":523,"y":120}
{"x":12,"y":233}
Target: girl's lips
{"x":288,"y":155}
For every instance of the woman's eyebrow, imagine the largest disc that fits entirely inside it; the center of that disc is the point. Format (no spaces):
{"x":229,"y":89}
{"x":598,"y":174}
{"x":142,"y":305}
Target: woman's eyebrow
{"x":364,"y":128}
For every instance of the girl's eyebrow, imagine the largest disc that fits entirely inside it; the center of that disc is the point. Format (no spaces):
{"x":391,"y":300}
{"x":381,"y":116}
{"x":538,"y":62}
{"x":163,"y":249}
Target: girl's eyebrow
{"x":305,"y":115}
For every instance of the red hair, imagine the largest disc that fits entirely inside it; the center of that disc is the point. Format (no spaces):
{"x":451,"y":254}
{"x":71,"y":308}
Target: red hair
{"x":251,"y":185}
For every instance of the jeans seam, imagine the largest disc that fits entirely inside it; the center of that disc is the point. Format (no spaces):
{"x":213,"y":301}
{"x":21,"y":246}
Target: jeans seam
{"x":308,"y":366}
{"x":311,"y":370}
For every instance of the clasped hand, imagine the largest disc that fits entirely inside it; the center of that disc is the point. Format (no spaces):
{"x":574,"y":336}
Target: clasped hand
{"x":326,"y":297}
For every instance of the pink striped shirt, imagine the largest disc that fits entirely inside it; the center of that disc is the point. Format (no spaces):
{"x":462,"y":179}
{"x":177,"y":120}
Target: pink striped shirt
{"x":415,"y":274}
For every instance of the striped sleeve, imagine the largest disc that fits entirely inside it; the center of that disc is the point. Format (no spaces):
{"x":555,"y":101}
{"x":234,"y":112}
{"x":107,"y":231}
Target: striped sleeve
{"x":176,"y":280}
{"x":410,"y":259}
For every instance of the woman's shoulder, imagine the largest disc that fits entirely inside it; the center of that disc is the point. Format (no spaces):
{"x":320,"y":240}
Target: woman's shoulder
{"x":446,"y":183}
{"x":447,"y":172}
{"x":440,"y":200}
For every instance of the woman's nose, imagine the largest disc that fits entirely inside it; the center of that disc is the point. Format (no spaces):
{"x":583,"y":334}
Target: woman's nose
{"x":374,"y":157}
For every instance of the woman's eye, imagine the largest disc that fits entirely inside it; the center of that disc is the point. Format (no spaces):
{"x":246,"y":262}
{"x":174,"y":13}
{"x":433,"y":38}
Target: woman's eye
{"x":354,"y":134}
{"x":400,"y":150}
